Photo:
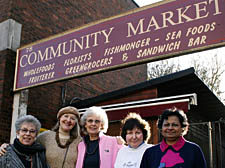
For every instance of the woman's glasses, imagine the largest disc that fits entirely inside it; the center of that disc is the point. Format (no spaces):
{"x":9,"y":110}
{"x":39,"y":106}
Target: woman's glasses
{"x":95,"y":121}
{"x":25,"y":131}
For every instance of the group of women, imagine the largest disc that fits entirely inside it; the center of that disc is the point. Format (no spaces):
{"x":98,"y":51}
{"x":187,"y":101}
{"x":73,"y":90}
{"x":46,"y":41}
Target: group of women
{"x":64,"y":147}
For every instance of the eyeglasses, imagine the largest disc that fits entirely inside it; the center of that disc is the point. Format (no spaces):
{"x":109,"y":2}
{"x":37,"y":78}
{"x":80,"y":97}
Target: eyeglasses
{"x":25,"y":131}
{"x":95,"y":121}
{"x":167,"y":125}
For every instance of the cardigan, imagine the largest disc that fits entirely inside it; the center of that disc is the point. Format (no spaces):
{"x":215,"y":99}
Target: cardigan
{"x":183,"y":154}
{"x":108,"y":148}
{"x":11,"y":160}
{"x":54,"y":154}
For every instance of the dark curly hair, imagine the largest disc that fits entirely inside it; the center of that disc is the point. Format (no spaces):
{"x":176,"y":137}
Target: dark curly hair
{"x":174,"y":112}
{"x":133,"y":120}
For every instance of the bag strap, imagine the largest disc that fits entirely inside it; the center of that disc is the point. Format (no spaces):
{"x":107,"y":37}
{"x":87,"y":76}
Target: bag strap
{"x":65,"y":156}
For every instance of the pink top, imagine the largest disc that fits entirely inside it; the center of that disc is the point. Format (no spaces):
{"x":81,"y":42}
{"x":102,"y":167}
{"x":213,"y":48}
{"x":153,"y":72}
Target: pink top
{"x":108,"y":149}
{"x":177,"y":146}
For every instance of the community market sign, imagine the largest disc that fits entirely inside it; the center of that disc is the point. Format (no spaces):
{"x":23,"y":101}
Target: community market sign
{"x":158,"y":31}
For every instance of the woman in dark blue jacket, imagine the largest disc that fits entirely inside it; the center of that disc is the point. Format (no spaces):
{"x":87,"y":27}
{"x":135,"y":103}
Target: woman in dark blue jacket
{"x":174,"y":151}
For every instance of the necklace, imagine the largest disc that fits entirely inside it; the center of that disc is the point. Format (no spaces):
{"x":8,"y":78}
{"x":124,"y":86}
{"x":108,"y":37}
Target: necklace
{"x":68,"y":142}
{"x":95,"y":148}
{"x":27,"y":157}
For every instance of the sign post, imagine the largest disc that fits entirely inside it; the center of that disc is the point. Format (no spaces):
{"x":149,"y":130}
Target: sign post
{"x":160,"y":31}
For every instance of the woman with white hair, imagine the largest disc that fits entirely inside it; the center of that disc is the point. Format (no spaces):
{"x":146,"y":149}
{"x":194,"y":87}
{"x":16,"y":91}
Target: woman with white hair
{"x":96,"y":150}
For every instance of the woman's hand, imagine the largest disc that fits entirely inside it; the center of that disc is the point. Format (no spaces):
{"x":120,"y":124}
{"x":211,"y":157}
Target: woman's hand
{"x":120,"y":140}
{"x":3,"y":149}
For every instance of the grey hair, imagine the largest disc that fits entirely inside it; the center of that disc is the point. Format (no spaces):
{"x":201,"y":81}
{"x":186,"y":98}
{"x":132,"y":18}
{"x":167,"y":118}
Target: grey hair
{"x":27,"y":119}
{"x":97,"y":111}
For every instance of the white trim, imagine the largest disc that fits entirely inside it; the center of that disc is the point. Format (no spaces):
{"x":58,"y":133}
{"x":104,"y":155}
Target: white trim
{"x":191,"y":98}
{"x":15,"y":114}
{"x":149,"y":104}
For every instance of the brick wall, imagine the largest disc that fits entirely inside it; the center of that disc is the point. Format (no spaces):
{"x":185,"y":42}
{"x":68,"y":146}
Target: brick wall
{"x":43,"y":18}
{"x":7,"y":64}
{"x":5,"y":9}
{"x":136,"y":96}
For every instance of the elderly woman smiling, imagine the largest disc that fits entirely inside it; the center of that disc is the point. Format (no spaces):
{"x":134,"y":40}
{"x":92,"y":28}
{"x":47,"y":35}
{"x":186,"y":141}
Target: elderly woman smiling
{"x":96,"y":150}
{"x":25,"y":152}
